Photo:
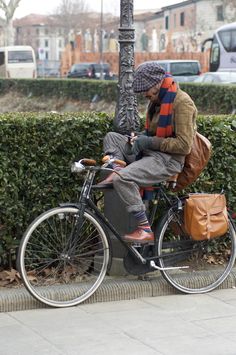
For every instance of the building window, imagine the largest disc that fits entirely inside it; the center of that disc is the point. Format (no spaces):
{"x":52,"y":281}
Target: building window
{"x":46,"y":43}
{"x":46,"y":55}
{"x":167,"y":22}
{"x":2,"y":58}
{"x":46,"y":31}
{"x":59,"y":43}
{"x":182,"y":19}
{"x":220,"y":14}
{"x":37,"y":31}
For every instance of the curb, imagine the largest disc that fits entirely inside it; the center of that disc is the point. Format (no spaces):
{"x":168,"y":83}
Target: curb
{"x":110,"y":290}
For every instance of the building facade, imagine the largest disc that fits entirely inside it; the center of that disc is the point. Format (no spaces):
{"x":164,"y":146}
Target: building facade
{"x":183,"y":27}
{"x":2,"y":31}
{"x":173,"y":30}
{"x":49,"y":35}
{"x":46,"y":35}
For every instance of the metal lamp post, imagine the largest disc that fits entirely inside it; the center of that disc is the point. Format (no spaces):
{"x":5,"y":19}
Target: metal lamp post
{"x":126,"y":116}
{"x":126,"y":121}
{"x":101,"y":40}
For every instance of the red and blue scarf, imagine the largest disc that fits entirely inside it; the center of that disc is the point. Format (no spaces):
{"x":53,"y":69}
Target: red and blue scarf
{"x":166,"y":97}
{"x":165,"y":125}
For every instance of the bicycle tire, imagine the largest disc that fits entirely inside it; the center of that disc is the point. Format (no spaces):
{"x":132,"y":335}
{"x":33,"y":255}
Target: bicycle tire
{"x":208,"y":262}
{"x":56,"y":269}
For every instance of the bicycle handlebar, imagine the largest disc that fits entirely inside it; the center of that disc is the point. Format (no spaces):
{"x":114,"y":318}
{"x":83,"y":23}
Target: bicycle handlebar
{"x":107,"y":160}
{"x":85,"y":164}
{"x":90,"y":164}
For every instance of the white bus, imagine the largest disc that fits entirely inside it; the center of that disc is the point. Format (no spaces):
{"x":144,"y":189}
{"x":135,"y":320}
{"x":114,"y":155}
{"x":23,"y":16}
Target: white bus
{"x":223,"y":48}
{"x":17,"y":62}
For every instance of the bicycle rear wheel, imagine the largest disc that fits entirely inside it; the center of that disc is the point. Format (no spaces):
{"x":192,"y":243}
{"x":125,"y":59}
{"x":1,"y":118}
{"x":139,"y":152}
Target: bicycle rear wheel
{"x":207,"y":262}
{"x":60,"y":265}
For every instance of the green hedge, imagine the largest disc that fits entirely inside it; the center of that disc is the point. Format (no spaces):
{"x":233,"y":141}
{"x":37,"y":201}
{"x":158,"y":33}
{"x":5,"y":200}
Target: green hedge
{"x":36,"y":153}
{"x":37,"y":150}
{"x":221,"y":169}
{"x":209,"y":98}
{"x":66,"y":88}
{"x":212,"y":98}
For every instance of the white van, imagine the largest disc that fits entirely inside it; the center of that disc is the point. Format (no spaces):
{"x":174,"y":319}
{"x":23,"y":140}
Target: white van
{"x":17,"y":62}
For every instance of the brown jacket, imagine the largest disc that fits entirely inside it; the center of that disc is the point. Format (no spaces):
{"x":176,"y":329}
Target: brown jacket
{"x":184,"y":121}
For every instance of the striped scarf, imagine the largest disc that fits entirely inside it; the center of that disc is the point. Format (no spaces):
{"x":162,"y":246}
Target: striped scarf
{"x":166,"y":96}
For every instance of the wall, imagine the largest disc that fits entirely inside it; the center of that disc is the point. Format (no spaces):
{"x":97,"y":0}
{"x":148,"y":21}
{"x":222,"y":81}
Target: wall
{"x":70,"y":57}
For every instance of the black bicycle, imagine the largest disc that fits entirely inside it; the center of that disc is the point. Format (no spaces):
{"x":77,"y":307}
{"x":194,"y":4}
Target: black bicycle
{"x":70,"y":245}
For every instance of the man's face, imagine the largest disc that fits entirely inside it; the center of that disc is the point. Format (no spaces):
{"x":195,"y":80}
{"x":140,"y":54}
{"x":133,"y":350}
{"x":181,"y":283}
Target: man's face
{"x":152,"y":94}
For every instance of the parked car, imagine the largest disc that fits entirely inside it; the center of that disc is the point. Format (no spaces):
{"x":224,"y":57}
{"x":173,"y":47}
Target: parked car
{"x":182,"y":70}
{"x":90,"y":71}
{"x":217,"y":78}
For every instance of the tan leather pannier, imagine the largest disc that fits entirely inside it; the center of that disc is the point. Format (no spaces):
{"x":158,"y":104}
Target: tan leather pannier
{"x":195,"y":162}
{"x":205,"y":216}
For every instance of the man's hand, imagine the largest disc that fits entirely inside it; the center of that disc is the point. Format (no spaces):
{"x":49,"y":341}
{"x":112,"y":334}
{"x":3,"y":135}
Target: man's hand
{"x":140,"y":143}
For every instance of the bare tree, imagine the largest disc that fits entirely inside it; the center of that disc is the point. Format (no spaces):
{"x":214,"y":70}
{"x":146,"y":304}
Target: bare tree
{"x":72,"y":14}
{"x":77,"y":17}
{"x":9,"y":10}
{"x":112,"y":7}
{"x":73,"y":7}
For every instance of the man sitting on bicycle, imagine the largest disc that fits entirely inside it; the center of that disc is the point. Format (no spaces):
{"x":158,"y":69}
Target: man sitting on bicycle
{"x":156,"y":154}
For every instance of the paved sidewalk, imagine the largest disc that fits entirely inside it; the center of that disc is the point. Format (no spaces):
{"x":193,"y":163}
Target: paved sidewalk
{"x":167,"y":325}
{"x":111,"y":289}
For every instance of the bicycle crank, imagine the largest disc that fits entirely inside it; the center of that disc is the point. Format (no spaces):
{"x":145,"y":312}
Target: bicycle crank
{"x":152,"y":264}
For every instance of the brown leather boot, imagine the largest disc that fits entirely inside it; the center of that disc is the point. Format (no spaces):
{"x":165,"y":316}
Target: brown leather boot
{"x":139,"y":236}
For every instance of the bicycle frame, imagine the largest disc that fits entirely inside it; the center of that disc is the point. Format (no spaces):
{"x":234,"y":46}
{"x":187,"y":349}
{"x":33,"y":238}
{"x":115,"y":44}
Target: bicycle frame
{"x":86,"y":201}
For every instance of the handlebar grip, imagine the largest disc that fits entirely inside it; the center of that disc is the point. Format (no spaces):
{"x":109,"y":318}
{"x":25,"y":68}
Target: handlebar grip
{"x":105,"y":159}
{"x":90,"y":162}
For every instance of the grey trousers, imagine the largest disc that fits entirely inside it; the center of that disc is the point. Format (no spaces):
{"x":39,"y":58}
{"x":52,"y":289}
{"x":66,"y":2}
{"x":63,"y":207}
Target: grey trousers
{"x":151,"y":169}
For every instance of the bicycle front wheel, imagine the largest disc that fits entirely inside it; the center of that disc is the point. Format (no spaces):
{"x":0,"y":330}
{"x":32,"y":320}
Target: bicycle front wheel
{"x":62,"y":261}
{"x":198,"y":266}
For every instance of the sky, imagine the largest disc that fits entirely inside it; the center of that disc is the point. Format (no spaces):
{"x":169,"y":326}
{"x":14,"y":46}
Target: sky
{"x":47,"y":6}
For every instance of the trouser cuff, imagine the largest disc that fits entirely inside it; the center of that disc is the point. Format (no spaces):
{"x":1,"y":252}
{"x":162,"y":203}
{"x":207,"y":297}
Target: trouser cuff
{"x":136,"y":208}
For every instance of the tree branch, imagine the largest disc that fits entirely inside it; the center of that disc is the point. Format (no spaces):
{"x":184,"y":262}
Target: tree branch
{"x":3,"y":6}
{"x":9,"y":9}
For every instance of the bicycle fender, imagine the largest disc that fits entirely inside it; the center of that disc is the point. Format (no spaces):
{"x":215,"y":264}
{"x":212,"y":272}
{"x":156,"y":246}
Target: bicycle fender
{"x":69,"y":204}
{"x":232,"y":221}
